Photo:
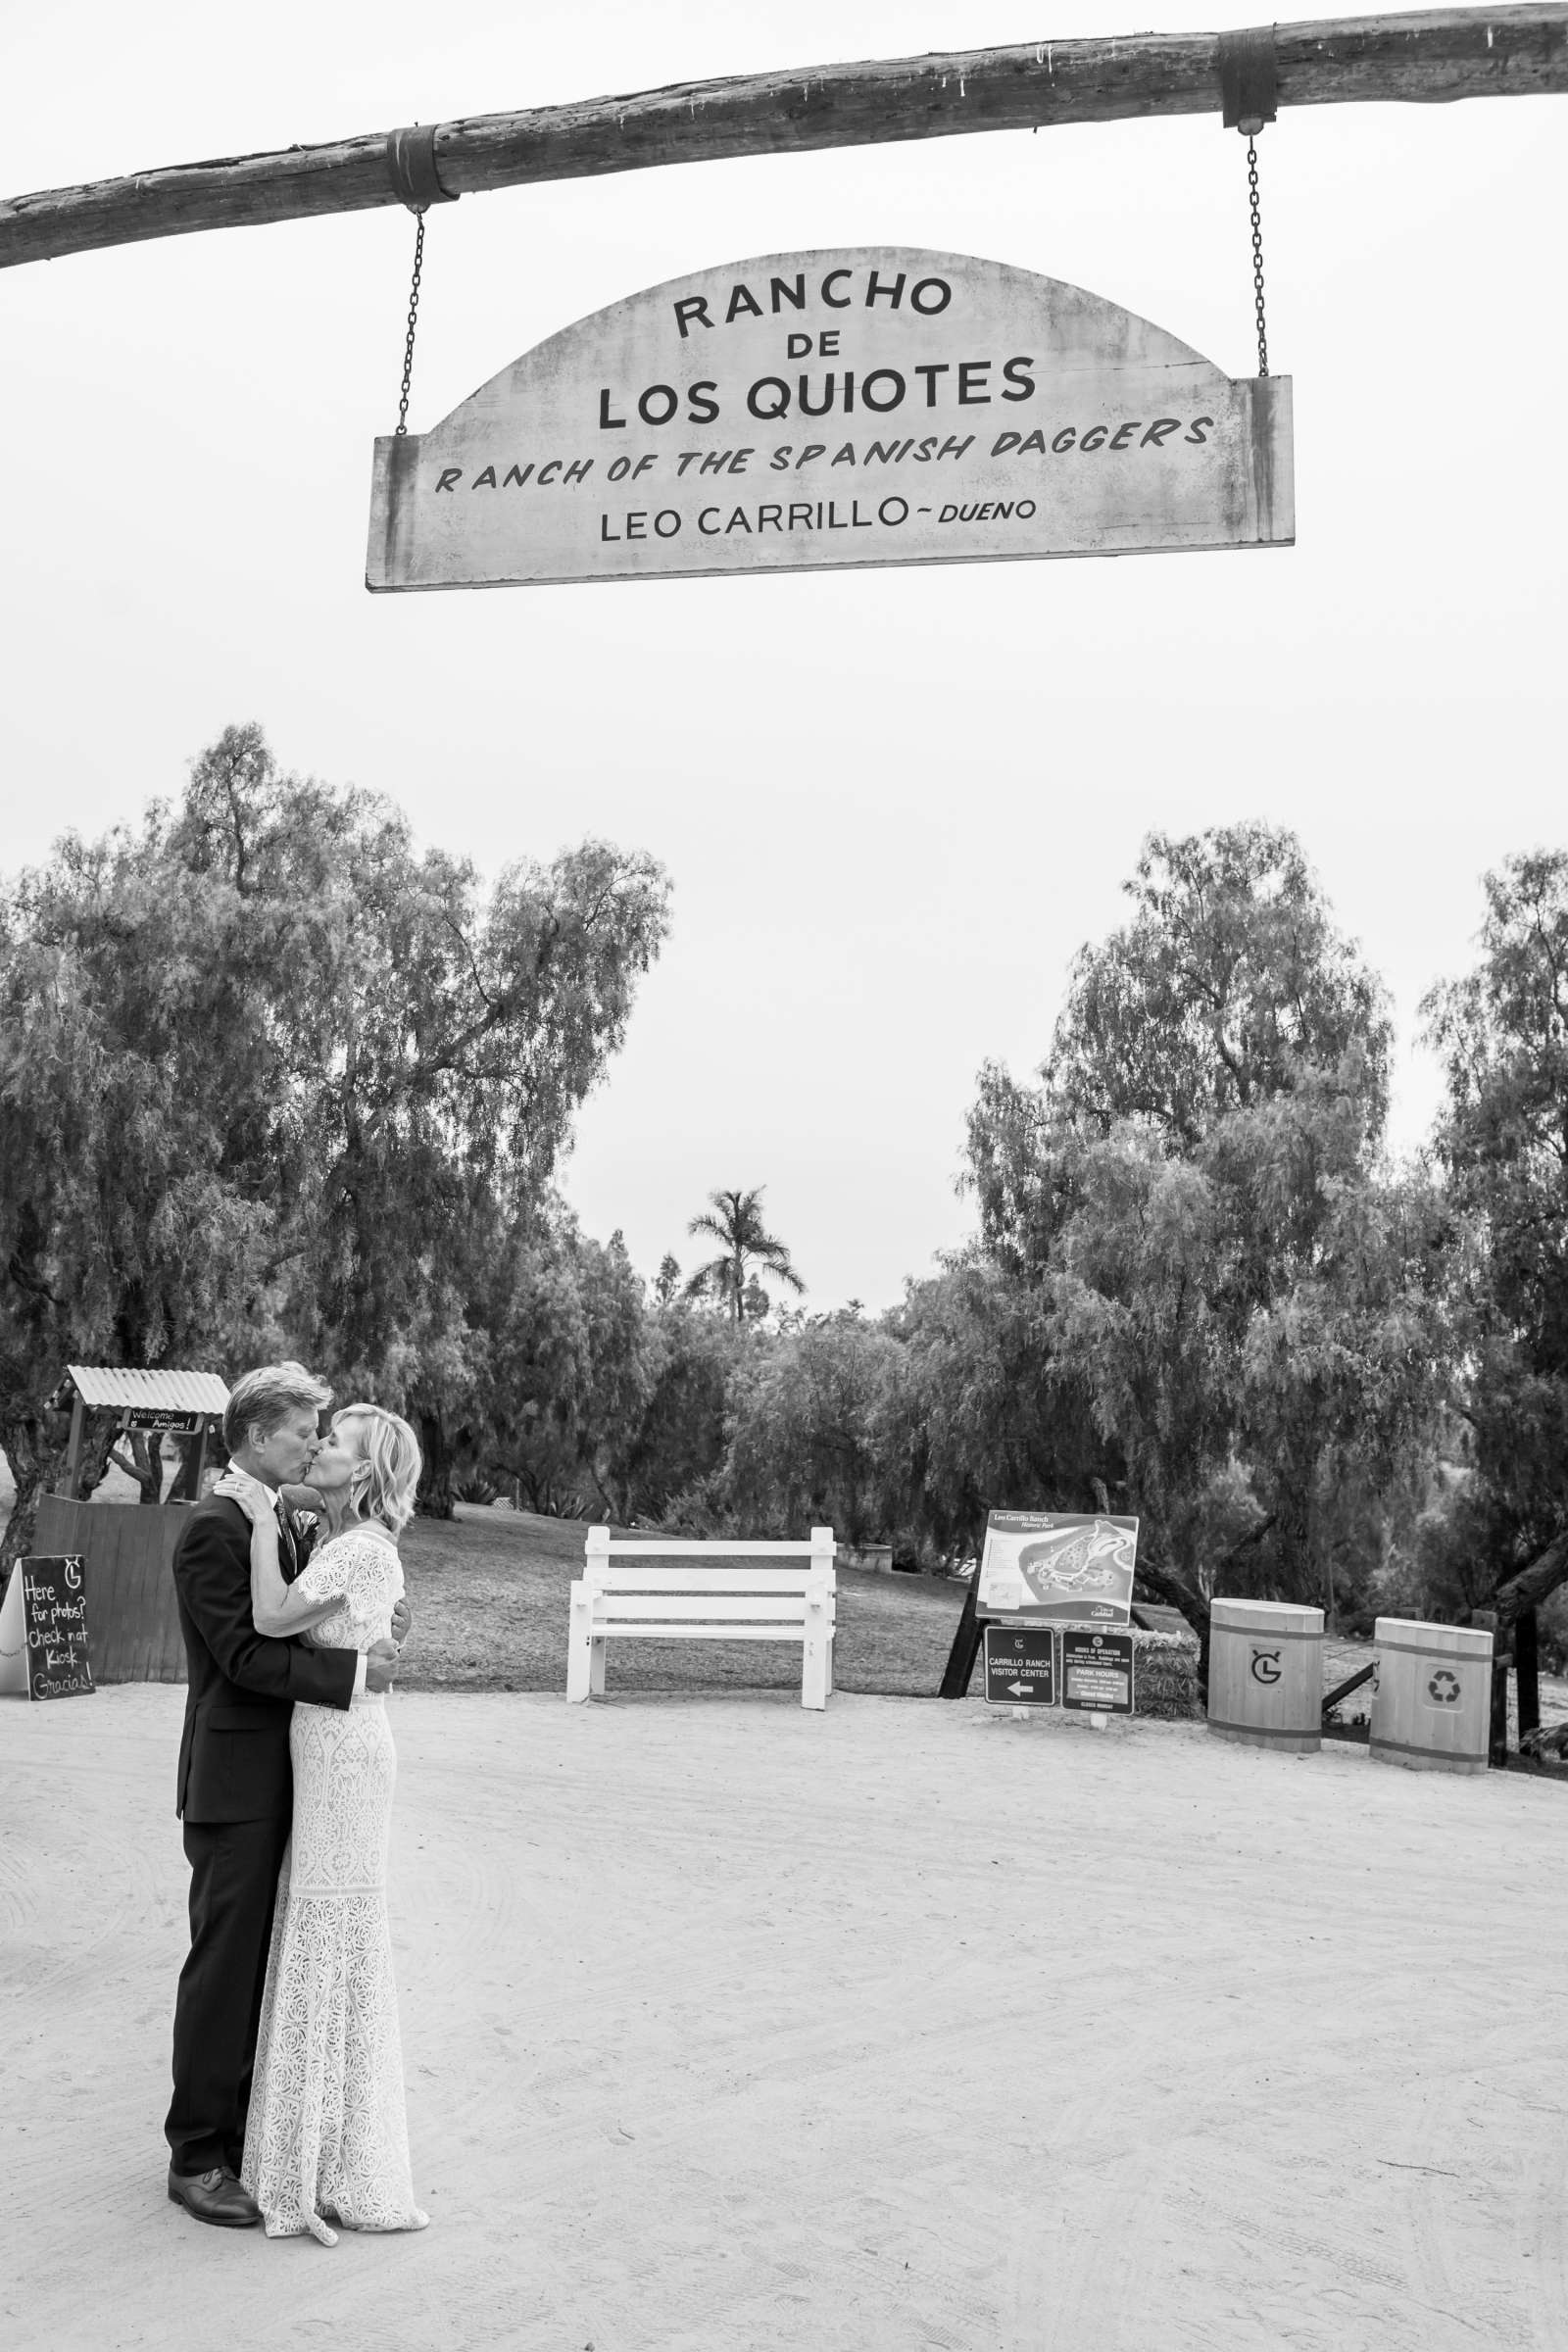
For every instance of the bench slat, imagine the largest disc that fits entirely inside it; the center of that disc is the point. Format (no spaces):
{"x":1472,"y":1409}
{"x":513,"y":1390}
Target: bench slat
{"x":634,"y":1548}
{"x":616,"y":1578}
{"x":721,"y":1609}
{"x":700,"y":1633}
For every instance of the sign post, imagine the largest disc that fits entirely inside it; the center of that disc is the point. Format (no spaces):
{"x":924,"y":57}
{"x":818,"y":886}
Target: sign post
{"x":862,"y":406}
{"x":43,"y":1631}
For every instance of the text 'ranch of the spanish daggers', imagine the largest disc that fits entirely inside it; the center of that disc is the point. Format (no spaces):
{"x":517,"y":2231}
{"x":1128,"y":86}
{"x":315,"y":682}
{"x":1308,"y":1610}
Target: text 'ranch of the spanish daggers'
{"x":846,"y":407}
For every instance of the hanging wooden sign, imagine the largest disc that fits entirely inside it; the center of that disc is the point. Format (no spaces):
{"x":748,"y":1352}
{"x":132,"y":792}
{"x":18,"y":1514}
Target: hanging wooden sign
{"x":815,"y":410}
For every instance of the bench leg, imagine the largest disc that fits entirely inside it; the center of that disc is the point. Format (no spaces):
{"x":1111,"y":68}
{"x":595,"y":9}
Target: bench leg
{"x":580,"y":1647}
{"x":814,"y":1661}
{"x":596,"y":1669}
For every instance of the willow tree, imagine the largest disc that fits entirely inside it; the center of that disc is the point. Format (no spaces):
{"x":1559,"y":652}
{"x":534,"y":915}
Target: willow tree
{"x":1502,"y":1143}
{"x":1193,"y":1198}
{"x":273,"y":1076}
{"x":1229,"y":985}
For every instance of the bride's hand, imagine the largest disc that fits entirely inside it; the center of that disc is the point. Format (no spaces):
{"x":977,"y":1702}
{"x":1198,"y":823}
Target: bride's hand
{"x":248,"y":1492}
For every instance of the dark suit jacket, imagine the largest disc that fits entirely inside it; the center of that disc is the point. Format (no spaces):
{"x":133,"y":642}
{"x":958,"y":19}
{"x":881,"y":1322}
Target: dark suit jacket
{"x":241,"y":1686}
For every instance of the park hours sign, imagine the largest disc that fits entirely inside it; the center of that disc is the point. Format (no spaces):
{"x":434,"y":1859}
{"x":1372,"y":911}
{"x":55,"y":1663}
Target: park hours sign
{"x":863,"y":406}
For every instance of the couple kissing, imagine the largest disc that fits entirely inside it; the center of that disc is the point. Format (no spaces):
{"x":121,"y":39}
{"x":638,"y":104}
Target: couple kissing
{"x":288,"y":2103}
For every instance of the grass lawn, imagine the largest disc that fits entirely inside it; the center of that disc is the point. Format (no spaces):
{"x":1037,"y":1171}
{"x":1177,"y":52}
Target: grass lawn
{"x":488,"y":1591}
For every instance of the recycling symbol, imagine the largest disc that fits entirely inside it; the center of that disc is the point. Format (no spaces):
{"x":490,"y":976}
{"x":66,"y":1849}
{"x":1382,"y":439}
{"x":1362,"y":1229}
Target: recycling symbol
{"x":1443,"y":1687}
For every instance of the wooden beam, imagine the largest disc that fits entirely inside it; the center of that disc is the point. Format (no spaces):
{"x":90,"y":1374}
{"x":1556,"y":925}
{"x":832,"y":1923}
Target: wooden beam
{"x":967,"y":1636}
{"x":1427,"y":57}
{"x":73,"y":1452}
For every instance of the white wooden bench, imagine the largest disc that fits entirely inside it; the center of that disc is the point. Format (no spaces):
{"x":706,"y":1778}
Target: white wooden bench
{"x":662,"y":1591}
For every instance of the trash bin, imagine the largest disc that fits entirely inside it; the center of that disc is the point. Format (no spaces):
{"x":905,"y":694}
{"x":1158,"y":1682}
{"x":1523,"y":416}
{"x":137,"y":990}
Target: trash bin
{"x":1432,"y":1699}
{"x":1266,"y":1673}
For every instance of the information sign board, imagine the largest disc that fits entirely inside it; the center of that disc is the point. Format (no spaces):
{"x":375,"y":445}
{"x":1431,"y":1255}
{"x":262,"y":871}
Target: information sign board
{"x":808,"y":410}
{"x":1052,"y":1567}
{"x":1020,"y":1666}
{"x":1097,"y":1672}
{"x":44,"y":1630}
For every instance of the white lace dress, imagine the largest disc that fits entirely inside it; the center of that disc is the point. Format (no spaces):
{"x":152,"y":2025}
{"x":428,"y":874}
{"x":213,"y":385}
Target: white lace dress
{"x":328,"y":2138}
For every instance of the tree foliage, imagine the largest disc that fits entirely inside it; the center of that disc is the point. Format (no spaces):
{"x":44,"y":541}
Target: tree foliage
{"x":806,"y":1430}
{"x":568,"y":1370}
{"x":734,"y":1220}
{"x":1502,"y":1143}
{"x":1228,"y":983}
{"x":1249,"y":1305}
{"x":273,"y":1076}
{"x":982,"y":1414}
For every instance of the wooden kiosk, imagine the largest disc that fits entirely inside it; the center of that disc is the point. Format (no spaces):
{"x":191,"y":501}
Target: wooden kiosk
{"x":126,"y":1549}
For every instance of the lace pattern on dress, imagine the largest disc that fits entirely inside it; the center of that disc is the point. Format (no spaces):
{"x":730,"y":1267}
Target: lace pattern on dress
{"x":326,"y":2139}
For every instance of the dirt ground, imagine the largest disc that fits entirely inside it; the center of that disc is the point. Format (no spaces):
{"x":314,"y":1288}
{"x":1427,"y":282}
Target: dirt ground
{"x":734,"y":2029}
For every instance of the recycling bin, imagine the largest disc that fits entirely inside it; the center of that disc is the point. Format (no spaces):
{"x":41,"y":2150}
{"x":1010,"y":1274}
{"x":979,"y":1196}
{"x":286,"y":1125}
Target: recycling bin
{"x":1432,"y":1699}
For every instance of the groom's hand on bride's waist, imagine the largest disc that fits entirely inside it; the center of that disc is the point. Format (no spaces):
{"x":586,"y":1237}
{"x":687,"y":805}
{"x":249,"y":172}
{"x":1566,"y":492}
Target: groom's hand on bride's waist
{"x":380,"y":1665}
{"x":401,"y":1619}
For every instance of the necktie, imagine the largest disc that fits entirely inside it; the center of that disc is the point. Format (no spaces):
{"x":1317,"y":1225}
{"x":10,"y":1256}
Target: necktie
{"x":288,"y":1558}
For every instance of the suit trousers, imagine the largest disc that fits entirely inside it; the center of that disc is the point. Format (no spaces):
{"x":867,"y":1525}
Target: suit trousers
{"x":233,"y":1888}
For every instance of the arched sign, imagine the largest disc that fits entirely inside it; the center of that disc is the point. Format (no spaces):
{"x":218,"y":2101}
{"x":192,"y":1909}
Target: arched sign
{"x":866,"y":406}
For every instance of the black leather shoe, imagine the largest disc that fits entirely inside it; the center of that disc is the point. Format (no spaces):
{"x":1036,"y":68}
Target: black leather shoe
{"x":214,"y":2196}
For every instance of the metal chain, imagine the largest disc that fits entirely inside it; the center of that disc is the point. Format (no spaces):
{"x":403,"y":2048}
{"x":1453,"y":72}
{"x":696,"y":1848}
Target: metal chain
{"x":1257,"y":257}
{"x":414,"y":315}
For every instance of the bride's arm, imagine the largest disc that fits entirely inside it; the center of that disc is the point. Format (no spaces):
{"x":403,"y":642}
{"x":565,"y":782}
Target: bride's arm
{"x":277,"y":1609}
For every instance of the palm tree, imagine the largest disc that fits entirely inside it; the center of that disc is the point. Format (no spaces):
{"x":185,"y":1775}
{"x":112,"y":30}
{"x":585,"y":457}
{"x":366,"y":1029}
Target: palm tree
{"x":735,"y":1220}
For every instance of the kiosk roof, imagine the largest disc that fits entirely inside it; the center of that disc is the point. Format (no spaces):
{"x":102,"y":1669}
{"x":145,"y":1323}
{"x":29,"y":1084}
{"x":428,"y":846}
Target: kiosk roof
{"x":123,"y":1385}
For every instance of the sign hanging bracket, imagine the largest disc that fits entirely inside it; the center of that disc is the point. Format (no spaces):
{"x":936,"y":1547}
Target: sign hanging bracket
{"x":1249,"y":80}
{"x":411,"y":167}
{"x":1250,"y":83}
{"x":415,"y":183}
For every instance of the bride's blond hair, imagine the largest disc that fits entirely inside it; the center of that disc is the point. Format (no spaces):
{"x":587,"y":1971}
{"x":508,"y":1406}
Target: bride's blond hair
{"x":392,"y":1451}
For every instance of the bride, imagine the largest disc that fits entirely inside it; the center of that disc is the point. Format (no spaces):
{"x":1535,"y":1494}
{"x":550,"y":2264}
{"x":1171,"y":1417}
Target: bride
{"x":327,"y":2134}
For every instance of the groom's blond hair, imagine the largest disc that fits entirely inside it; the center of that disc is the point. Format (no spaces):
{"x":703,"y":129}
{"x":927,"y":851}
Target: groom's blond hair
{"x":261,"y":1400}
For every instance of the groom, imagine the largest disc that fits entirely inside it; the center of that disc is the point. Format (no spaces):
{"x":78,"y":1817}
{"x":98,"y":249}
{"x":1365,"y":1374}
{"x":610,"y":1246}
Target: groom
{"x":235,"y":1787}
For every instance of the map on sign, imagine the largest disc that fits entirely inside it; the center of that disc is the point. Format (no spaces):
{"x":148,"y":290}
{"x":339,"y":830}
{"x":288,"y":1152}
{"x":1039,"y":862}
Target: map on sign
{"x":861,"y":406}
{"x":1052,"y":1567}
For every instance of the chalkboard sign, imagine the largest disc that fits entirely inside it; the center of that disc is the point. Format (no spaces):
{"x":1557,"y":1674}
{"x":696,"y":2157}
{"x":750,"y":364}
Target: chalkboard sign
{"x":44,"y":1630}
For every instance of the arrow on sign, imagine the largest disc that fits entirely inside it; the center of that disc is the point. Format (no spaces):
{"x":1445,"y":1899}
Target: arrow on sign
{"x":1018,"y":1688}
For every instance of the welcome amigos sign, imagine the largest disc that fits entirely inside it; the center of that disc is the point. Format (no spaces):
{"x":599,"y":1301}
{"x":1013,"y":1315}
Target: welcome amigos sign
{"x":854,"y":407}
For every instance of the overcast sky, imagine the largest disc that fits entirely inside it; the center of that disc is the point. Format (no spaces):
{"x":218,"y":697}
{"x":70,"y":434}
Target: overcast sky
{"x":892,"y":802}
